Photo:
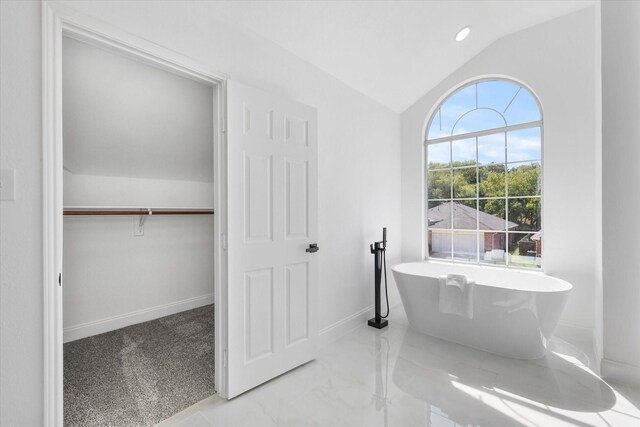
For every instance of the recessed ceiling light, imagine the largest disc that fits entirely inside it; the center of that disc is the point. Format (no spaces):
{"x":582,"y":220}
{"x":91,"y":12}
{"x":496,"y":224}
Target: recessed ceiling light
{"x":463,"y":33}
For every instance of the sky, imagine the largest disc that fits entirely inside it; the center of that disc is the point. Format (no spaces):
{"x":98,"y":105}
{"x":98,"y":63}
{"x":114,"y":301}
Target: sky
{"x":487,"y":105}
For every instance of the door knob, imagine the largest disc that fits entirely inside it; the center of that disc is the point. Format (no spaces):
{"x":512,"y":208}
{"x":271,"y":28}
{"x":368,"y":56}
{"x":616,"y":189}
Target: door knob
{"x":313,"y":247}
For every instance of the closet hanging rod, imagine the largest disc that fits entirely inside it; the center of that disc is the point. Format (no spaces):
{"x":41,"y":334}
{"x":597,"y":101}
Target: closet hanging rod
{"x":147,"y":212}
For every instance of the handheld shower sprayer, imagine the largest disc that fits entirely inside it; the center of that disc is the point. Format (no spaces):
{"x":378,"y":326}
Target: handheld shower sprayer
{"x":384,"y":237}
{"x":378,"y":249}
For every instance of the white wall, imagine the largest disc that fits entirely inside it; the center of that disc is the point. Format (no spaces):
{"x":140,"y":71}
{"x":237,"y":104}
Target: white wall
{"x":557,"y":60}
{"x":112,"y":278}
{"x":621,"y":193}
{"x":126,"y":118}
{"x":91,"y":190}
{"x":359,"y":170}
{"x":21,"y":346}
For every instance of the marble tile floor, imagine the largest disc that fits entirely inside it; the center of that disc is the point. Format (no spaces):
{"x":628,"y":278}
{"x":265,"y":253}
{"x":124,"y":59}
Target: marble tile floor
{"x":397,"y":377}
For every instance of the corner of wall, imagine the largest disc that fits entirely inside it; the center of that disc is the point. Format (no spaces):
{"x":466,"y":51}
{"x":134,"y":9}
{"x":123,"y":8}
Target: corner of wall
{"x":620,"y":373}
{"x":343,"y":327}
{"x":598,"y":238}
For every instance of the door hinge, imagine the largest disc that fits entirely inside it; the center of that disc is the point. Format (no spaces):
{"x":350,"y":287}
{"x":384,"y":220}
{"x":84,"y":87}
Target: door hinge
{"x":224,"y":358}
{"x":224,"y":241}
{"x":59,"y":279}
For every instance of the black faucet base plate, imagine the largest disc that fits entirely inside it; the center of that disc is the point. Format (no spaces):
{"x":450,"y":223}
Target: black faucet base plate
{"x":378,"y":323}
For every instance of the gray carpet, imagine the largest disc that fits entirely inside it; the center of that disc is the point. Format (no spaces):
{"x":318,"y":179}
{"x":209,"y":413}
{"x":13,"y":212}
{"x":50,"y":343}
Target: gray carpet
{"x":141,"y":374}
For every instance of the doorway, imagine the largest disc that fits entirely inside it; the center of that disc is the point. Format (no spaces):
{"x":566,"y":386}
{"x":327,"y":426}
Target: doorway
{"x":112,"y":240}
{"x":138,"y":247}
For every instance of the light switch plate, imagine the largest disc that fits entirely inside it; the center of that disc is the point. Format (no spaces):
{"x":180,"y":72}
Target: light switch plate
{"x":8,"y":184}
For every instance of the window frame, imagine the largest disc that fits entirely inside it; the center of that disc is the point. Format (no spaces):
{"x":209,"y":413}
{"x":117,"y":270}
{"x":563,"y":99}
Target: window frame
{"x":475,"y":135}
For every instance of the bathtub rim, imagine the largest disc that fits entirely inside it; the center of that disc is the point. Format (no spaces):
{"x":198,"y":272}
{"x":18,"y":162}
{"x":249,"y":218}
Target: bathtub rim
{"x":564,"y":286}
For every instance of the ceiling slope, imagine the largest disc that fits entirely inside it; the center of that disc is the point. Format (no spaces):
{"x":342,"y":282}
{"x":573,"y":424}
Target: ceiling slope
{"x":392,"y":51}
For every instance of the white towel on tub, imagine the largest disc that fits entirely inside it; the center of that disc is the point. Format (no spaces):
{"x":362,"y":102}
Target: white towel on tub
{"x":456,"y":295}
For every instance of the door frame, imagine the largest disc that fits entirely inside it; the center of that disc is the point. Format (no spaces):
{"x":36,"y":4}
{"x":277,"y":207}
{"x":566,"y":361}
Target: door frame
{"x":59,"y":20}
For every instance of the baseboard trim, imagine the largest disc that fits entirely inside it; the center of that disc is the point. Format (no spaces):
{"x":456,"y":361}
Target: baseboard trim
{"x":107,"y":324}
{"x":619,"y":372}
{"x":343,"y":327}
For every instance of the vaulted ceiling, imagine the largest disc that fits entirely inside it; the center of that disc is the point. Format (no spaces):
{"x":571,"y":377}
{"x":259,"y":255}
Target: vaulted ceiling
{"x":392,"y":51}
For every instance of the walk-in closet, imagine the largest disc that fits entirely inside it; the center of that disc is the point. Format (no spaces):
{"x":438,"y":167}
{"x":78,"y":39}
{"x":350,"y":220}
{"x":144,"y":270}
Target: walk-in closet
{"x":138,"y":238}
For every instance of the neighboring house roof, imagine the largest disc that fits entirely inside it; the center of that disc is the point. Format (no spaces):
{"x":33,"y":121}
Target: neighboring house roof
{"x":464,"y":217}
{"x":531,"y":238}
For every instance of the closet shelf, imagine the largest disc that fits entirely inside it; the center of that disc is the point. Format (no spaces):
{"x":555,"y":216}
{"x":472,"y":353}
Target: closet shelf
{"x":138,"y":212}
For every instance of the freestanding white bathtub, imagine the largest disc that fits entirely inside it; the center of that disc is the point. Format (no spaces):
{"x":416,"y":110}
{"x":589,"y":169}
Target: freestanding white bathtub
{"x":514,"y":312}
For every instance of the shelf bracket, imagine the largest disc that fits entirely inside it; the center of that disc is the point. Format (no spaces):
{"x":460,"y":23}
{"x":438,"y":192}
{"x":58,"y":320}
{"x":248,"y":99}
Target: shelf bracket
{"x":139,"y":231}
{"x":143,"y":216}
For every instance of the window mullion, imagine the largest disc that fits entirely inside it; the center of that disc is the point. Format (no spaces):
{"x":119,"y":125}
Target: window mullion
{"x":477,"y":191}
{"x":506,"y":200}
{"x":528,"y":125}
{"x":451,"y":200}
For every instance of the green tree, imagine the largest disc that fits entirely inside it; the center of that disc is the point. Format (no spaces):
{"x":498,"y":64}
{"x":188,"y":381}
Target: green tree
{"x":492,"y":182}
{"x":525,"y":213}
{"x":464,"y":181}
{"x":495,"y":207}
{"x":439,"y":184}
{"x":523,"y":181}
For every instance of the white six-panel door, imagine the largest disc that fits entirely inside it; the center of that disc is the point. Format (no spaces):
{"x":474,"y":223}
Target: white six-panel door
{"x":272,"y":202}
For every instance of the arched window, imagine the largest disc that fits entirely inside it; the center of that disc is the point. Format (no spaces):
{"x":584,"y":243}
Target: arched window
{"x":484,"y":176}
